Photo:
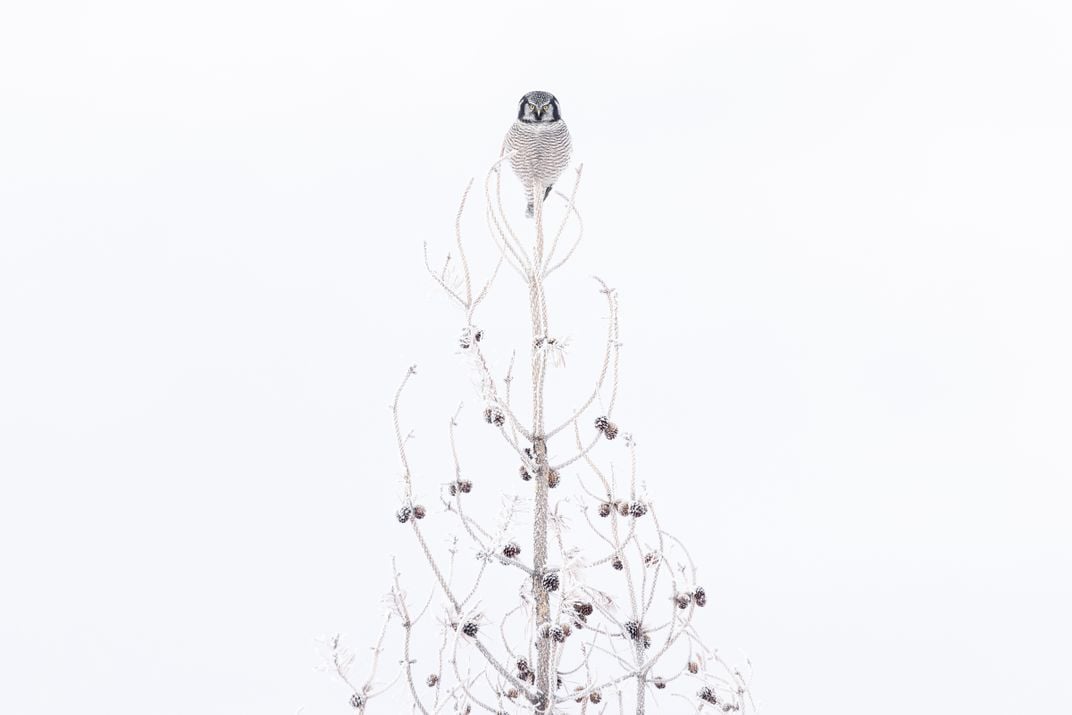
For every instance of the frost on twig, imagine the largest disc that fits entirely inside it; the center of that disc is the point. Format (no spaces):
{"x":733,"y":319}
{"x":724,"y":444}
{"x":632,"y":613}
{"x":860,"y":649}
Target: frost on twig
{"x":574,"y":600}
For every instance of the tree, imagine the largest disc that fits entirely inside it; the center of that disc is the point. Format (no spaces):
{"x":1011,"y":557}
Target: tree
{"x":600,"y":624}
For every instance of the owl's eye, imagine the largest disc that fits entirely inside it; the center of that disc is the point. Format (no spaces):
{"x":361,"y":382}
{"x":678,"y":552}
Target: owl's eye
{"x":532,"y":107}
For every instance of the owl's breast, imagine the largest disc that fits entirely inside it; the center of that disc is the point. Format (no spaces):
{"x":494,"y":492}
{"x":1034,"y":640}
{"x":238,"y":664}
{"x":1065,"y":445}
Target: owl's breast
{"x":542,"y":151}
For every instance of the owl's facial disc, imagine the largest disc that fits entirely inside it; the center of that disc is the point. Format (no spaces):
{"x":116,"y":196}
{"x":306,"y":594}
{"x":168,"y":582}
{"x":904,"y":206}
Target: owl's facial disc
{"x":538,"y":106}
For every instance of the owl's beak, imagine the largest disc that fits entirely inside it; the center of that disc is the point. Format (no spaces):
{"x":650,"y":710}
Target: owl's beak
{"x":540,"y":111}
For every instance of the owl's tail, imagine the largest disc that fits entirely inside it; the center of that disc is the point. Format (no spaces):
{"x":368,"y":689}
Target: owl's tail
{"x":528,"y":207}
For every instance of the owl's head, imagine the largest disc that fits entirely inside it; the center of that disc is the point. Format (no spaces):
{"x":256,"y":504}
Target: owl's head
{"x":538,"y":107}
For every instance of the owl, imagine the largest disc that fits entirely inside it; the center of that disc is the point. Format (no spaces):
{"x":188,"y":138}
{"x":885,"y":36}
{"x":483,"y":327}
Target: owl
{"x":542,"y":144}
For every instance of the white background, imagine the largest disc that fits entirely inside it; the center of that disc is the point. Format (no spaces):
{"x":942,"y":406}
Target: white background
{"x":840,"y":232}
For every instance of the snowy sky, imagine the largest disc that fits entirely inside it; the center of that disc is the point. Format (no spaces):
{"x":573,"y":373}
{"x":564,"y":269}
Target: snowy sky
{"x":840,"y":232}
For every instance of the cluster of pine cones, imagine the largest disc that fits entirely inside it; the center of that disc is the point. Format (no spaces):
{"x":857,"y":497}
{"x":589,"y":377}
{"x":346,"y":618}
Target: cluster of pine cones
{"x":608,"y":428}
{"x":406,"y":512}
{"x":635,"y":509}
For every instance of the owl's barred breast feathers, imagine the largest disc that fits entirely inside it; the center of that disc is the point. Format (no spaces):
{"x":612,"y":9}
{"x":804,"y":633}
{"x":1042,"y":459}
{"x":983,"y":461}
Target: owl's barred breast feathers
{"x":542,"y":152}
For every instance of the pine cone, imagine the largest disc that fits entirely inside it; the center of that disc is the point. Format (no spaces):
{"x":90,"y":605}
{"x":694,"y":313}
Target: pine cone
{"x":611,"y":431}
{"x":682,"y":600}
{"x":595,"y":697}
{"x":357,"y":701}
{"x":602,"y":423}
{"x":494,"y":416}
{"x":604,"y":509}
{"x":419,"y":512}
{"x":432,"y":680}
{"x":525,"y":476}
{"x":623,"y":507}
{"x":470,"y":628}
{"x":617,"y":564}
{"x":638,"y":509}
{"x":585,"y":609}
{"x":553,"y":478}
{"x":694,"y":667}
{"x":550,"y":581}
{"x":465,"y":486}
{"x":705,"y":693}
{"x":634,"y":630}
{"x":659,"y":683}
{"x":700,"y":596}
{"x":511,"y":550}
{"x":512,"y":693}
{"x":557,"y":634}
{"x":404,"y":514}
